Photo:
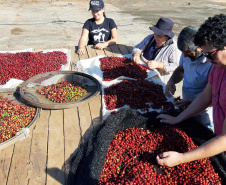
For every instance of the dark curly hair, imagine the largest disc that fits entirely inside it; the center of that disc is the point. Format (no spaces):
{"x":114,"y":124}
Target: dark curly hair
{"x":212,"y":32}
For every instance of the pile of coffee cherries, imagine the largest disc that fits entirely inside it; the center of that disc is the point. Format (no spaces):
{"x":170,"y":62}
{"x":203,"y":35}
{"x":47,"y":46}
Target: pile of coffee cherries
{"x":114,"y":67}
{"x":138,"y":94}
{"x":131,"y":159}
{"x":27,"y":64}
{"x":13,"y":117}
{"x":64,"y":92}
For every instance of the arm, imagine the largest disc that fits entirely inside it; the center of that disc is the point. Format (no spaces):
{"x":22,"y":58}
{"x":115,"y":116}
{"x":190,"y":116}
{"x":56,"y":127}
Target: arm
{"x":82,"y":42}
{"x":169,"y":58}
{"x":138,"y":49}
{"x":112,"y":41}
{"x":152,"y":64}
{"x":176,"y":77}
{"x":200,"y":103}
{"x":184,"y":103}
{"x":208,"y":149}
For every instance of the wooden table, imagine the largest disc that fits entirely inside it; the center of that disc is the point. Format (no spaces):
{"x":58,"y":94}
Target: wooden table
{"x":40,"y":158}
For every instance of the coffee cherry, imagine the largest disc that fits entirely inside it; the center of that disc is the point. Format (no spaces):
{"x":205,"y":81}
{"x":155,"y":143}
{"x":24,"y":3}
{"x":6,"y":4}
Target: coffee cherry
{"x":13,"y":117}
{"x":64,"y":92}
{"x":131,"y":159}
{"x":27,"y":64}
{"x":114,"y":67}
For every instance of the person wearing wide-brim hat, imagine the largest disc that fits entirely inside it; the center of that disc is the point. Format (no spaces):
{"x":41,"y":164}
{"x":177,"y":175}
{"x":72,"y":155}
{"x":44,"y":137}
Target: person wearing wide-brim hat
{"x":211,"y":39}
{"x":159,"y":50}
{"x":99,"y":31}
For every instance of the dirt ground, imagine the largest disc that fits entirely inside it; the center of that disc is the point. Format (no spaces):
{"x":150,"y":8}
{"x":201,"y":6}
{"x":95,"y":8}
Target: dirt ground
{"x":51,"y":24}
{"x":58,"y":24}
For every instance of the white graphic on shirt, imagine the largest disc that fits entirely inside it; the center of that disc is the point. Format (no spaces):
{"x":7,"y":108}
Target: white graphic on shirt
{"x":103,"y":37}
{"x":97,"y":37}
{"x":100,"y":35}
{"x":97,"y":31}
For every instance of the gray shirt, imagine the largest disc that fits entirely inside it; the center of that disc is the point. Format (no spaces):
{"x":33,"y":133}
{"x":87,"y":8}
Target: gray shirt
{"x":169,"y":55}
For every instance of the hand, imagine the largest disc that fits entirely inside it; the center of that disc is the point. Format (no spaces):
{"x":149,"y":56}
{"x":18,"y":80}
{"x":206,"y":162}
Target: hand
{"x":165,"y":118}
{"x":99,"y":46}
{"x":152,"y":64}
{"x":136,"y":57}
{"x":184,"y":103}
{"x":169,"y":158}
{"x":81,"y":51}
{"x":170,"y":89}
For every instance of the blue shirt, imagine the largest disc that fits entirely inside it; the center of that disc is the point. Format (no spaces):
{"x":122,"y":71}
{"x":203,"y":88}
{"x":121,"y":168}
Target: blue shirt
{"x":195,"y":75}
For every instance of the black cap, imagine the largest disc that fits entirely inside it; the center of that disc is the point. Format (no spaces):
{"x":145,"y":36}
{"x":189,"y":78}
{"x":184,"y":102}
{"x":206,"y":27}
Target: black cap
{"x":96,"y":5}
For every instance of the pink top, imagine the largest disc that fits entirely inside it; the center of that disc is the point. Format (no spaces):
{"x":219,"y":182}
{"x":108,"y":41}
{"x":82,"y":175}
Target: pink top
{"x":217,"y":78}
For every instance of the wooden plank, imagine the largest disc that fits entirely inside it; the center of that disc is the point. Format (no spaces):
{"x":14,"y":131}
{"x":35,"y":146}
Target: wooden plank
{"x":38,"y":154}
{"x":129,"y":48}
{"x":115,"y":50}
{"x":74,"y":59}
{"x":71,"y":130}
{"x":20,"y":162}
{"x":72,"y":133}
{"x":96,"y":111}
{"x":108,"y":51}
{"x":5,"y":162}
{"x":91,"y":51}
{"x":55,"y":159}
{"x":123,"y":49}
{"x":85,"y":119}
{"x":75,"y":49}
{"x":100,"y":52}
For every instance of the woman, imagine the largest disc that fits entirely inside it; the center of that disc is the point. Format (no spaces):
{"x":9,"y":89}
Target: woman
{"x":211,"y":37}
{"x":159,"y":50}
{"x":100,"y":31}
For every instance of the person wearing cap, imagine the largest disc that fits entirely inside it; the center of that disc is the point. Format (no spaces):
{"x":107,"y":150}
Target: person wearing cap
{"x":159,"y":50}
{"x":194,"y":69}
{"x":211,"y":37}
{"x":99,"y":31}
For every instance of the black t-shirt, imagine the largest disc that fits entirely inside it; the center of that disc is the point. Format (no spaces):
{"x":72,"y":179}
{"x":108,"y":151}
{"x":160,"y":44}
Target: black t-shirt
{"x":99,"y":33}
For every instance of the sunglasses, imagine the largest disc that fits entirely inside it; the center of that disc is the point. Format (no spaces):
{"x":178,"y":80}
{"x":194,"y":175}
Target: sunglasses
{"x":210,"y":55}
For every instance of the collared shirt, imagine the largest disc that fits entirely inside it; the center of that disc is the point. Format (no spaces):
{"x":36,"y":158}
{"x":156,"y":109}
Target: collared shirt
{"x":195,"y":75}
